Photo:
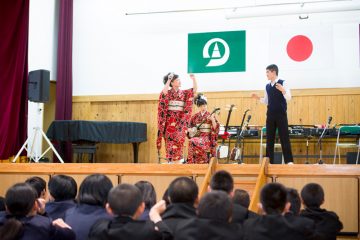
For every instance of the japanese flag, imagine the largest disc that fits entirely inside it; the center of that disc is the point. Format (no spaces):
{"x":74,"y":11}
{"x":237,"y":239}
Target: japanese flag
{"x":302,"y":47}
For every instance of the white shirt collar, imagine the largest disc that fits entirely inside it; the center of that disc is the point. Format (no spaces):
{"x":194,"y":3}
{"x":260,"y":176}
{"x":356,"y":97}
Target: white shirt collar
{"x":276,"y":80}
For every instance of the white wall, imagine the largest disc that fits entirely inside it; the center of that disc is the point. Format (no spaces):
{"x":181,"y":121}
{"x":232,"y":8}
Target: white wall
{"x":116,"y":53}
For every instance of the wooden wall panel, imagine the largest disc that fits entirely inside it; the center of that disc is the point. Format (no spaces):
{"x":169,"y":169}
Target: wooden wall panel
{"x":8,"y":180}
{"x":308,"y":106}
{"x":160,"y":183}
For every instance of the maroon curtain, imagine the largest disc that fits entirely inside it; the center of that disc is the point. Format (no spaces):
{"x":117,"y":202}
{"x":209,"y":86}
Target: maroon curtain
{"x":14,"y":29}
{"x":64,"y":69}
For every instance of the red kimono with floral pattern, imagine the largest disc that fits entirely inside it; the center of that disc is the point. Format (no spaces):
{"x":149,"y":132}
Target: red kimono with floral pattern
{"x":172,"y":124}
{"x":200,"y":147}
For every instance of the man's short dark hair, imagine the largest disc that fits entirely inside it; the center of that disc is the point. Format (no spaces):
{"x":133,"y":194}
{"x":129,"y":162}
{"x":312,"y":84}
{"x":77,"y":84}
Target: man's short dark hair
{"x":183,"y":190}
{"x":222,"y":180}
{"x":272,"y":68}
{"x":273,"y":198}
{"x":312,"y":195}
{"x":294,"y":199}
{"x":124,"y":199}
{"x":62,"y":188}
{"x":215,"y":205}
{"x":241,"y":197}
{"x":38,"y":184}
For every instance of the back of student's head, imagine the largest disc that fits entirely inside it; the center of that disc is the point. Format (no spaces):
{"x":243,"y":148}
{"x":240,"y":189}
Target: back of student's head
{"x":124,"y":199}
{"x":312,"y":195}
{"x":148,"y":193}
{"x":94,"y":190}
{"x":38,"y":184}
{"x":273,"y":198}
{"x":19,"y":200}
{"x":241,"y":197}
{"x":294,"y":199}
{"x":215,"y":205}
{"x":62,"y":187}
{"x":222,"y":180}
{"x":183,"y":190}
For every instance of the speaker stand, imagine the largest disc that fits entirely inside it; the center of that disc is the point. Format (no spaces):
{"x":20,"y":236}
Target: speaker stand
{"x":33,"y":157}
{"x":30,"y":148}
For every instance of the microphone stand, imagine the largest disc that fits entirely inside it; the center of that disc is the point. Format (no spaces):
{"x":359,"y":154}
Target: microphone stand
{"x":319,"y":142}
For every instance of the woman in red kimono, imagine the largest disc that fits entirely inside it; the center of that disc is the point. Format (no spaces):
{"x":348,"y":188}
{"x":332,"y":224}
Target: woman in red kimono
{"x":201,"y":148}
{"x":174,"y":113}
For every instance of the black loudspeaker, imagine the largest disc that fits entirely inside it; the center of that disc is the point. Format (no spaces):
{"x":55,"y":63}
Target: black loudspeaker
{"x":39,"y":85}
{"x":277,"y":158}
{"x":350,"y":158}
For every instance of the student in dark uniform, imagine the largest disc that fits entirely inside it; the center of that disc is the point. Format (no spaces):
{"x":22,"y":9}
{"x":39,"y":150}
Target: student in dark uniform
{"x":63,"y":190}
{"x":303,"y":224}
{"x":92,"y":198}
{"x":39,"y":185}
{"x":125,"y":203}
{"x":275,"y":97}
{"x":21,"y":221}
{"x":295,"y":202}
{"x":213,"y":222}
{"x":241,"y":197}
{"x":183,"y":194}
{"x":149,"y":197}
{"x":273,"y":225}
{"x":327,"y":223}
{"x":223,"y":181}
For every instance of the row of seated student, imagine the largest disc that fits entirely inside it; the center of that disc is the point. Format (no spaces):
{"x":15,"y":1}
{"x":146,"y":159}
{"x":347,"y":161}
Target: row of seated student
{"x":102,"y":211}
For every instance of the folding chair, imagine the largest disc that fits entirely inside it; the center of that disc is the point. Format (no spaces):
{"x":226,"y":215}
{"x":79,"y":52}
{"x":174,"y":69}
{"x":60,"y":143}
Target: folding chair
{"x":347,"y":130}
{"x":263,"y":145}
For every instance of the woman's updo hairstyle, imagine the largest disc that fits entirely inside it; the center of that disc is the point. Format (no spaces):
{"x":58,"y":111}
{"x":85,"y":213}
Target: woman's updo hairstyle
{"x":200,"y":100}
{"x":171,"y":76}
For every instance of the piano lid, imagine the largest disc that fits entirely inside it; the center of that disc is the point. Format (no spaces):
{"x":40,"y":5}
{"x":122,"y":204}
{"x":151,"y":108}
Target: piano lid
{"x":97,"y":131}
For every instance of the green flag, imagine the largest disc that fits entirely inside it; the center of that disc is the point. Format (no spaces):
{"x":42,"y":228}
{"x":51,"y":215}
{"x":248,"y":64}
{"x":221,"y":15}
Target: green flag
{"x":216,"y":52}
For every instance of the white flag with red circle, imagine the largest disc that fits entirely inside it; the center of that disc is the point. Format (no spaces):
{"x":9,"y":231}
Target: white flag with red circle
{"x":301,"y":47}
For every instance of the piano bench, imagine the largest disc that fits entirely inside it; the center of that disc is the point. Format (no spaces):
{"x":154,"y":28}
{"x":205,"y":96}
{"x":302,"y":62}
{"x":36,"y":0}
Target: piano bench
{"x":80,"y":149}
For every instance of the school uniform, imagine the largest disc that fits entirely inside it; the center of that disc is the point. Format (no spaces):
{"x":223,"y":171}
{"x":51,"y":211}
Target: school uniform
{"x":208,"y":229}
{"x":57,"y":210}
{"x":240,"y":214}
{"x":125,"y":228}
{"x":145,"y":215}
{"x":175,"y":213}
{"x":327,"y":223}
{"x":40,"y":228}
{"x":302,"y":224}
{"x":82,"y":217}
{"x":276,"y":118}
{"x":271,"y":227}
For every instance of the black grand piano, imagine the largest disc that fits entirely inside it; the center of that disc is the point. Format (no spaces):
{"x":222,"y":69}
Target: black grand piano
{"x":88,"y":133}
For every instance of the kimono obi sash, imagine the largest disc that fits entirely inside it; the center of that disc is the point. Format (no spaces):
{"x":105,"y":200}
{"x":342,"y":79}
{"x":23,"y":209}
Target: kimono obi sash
{"x":176,"y":105}
{"x":205,"y":128}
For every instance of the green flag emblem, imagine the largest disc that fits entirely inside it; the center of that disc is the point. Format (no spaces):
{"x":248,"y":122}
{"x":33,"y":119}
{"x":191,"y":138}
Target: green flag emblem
{"x":216,"y":52}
